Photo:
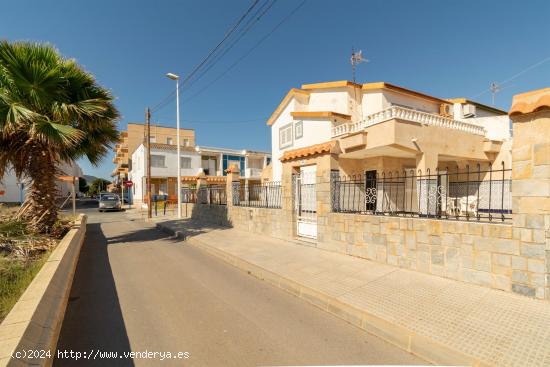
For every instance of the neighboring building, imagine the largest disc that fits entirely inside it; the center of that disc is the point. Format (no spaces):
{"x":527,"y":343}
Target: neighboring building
{"x":385,"y":126}
{"x":135,"y":135}
{"x":212,"y":161}
{"x":14,"y":190}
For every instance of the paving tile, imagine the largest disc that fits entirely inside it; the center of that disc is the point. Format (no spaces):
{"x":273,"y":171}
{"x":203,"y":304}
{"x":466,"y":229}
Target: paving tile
{"x":494,"y":327}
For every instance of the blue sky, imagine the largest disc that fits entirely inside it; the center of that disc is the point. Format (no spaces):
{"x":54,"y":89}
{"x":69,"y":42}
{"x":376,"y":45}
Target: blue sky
{"x":444,"y":48}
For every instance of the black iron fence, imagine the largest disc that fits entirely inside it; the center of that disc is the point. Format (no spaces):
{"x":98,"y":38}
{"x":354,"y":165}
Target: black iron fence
{"x":188,"y":195}
{"x":215,"y":195}
{"x":258,"y":195}
{"x":464,"y":194}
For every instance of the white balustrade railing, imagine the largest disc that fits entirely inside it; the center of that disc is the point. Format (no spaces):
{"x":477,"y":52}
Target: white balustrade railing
{"x":396,"y":112}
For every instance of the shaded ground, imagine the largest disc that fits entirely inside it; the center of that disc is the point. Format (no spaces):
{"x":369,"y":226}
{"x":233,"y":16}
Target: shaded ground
{"x":137,"y":289}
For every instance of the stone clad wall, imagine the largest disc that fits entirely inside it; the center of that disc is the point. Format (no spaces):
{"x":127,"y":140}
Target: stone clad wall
{"x":265,"y":221}
{"x":530,"y":114}
{"x":479,"y":253}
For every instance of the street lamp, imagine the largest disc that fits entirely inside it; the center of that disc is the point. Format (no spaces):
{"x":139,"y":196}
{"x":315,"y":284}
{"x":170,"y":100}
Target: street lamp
{"x":177,"y":79}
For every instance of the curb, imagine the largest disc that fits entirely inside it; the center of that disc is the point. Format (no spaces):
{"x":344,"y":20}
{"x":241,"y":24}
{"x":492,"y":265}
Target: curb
{"x":421,"y":346}
{"x":32,"y":327}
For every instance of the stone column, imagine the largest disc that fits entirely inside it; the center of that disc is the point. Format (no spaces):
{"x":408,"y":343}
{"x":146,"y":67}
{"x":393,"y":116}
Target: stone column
{"x":233,"y":175}
{"x":325,"y":164}
{"x":287,"y":201}
{"x":426,"y":187}
{"x":201,"y":183}
{"x":530,"y":114}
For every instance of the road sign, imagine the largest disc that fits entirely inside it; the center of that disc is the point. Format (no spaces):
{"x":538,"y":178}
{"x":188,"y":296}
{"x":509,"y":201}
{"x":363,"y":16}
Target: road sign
{"x":129,"y":183}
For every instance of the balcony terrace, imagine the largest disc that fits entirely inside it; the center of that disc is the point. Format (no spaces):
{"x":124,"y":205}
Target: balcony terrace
{"x":406,"y":114}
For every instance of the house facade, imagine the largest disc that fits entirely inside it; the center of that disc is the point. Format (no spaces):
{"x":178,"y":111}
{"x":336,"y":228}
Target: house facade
{"x":211,"y":161}
{"x":384,"y":125}
{"x":135,"y":135}
{"x":13,"y":190}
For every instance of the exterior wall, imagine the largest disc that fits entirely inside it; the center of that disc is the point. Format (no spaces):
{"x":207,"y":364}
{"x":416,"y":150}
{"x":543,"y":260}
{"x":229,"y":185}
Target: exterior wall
{"x":15,"y":190}
{"x":531,"y":200}
{"x":12,"y":189}
{"x":314,"y":132}
{"x":138,"y":172}
{"x":395,"y":98}
{"x":478,"y":253}
{"x":498,"y":127}
{"x":134,"y":136}
{"x":336,"y":100}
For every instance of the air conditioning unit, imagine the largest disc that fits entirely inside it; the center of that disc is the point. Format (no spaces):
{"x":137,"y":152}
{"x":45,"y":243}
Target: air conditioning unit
{"x":469,"y":110}
{"x":446,"y":110}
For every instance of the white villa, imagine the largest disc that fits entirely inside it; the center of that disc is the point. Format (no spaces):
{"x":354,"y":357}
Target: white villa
{"x":388,"y":127}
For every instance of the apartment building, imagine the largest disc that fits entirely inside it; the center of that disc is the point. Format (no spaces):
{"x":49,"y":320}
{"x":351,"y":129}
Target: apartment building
{"x":135,"y":135}
{"x":193,"y":160}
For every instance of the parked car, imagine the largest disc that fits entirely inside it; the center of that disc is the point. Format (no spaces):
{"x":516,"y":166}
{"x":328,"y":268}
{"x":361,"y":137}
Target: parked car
{"x":109,"y":202}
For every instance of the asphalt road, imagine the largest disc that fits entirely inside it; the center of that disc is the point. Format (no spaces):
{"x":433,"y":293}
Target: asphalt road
{"x":138,"y":290}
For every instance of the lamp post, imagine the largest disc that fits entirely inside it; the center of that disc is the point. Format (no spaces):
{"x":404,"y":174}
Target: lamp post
{"x":177,"y":79}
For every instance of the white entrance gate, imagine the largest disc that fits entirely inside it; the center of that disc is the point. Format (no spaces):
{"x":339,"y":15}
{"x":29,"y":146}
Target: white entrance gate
{"x":305,"y":202}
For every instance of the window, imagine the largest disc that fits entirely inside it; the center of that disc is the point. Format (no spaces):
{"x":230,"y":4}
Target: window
{"x":169,"y":141}
{"x":157,"y":161}
{"x":299,"y":129}
{"x":209,"y":165}
{"x":285,"y":136}
{"x":185,"y":162}
{"x":185,"y":142}
{"x":153,"y":139}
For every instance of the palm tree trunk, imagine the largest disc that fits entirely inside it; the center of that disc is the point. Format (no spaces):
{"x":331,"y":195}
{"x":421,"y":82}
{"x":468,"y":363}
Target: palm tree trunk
{"x":40,"y":208}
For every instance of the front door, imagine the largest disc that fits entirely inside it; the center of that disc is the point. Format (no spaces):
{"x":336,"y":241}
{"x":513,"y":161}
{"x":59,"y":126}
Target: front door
{"x":305,"y":202}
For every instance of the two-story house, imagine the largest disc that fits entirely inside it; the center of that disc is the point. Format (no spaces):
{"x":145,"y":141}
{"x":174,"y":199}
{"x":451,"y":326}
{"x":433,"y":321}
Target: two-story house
{"x":193,"y":160}
{"x":384,"y":125}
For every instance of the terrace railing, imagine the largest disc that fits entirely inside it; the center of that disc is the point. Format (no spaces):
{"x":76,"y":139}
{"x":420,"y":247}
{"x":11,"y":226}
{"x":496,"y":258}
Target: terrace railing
{"x":397,"y":112}
{"x":469,"y":194}
{"x":258,"y":195}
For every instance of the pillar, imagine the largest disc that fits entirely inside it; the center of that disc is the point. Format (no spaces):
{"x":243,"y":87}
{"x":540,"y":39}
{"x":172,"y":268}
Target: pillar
{"x":426,"y":185}
{"x":530,"y":114}
{"x":231,"y":192}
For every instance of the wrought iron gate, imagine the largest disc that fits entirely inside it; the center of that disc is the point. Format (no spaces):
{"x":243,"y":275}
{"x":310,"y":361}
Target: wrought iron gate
{"x":305,"y":202}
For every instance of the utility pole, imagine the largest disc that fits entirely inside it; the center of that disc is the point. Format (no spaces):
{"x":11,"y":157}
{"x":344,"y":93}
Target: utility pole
{"x":148,"y":144}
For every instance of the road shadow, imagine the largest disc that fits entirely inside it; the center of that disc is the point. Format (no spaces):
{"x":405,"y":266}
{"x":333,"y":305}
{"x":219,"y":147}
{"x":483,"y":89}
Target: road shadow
{"x":142,"y":235}
{"x":93,"y":319}
{"x":190,"y":227}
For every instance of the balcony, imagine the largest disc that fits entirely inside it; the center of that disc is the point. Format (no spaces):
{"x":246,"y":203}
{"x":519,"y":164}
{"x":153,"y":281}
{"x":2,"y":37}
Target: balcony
{"x":253,"y":172}
{"x":396,"y":112}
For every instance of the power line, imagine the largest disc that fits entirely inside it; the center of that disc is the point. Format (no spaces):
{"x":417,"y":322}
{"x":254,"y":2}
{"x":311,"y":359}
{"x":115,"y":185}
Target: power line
{"x":514,"y":76}
{"x":249,"y":51}
{"x":226,"y":122}
{"x":227,"y":35}
{"x":247,"y":27}
{"x":228,"y":48}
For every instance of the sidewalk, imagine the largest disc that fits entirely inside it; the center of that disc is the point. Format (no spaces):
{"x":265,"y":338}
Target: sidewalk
{"x":440,"y":320}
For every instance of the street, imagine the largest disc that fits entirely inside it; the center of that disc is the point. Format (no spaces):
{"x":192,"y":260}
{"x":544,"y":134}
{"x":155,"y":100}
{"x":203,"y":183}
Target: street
{"x":135,"y":289}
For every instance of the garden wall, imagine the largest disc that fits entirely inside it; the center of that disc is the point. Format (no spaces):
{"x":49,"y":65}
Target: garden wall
{"x":479,"y":253}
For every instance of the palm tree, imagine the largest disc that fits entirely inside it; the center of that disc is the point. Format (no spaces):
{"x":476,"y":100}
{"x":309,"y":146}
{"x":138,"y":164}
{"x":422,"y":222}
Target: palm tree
{"x":51,"y":111}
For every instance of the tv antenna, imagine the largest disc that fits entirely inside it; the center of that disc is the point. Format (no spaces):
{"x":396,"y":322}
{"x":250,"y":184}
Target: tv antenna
{"x":356,"y":58}
{"x":494,"y":88}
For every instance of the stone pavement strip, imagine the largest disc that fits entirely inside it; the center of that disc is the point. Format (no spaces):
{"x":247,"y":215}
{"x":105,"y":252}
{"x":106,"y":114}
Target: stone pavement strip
{"x":441,"y":320}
